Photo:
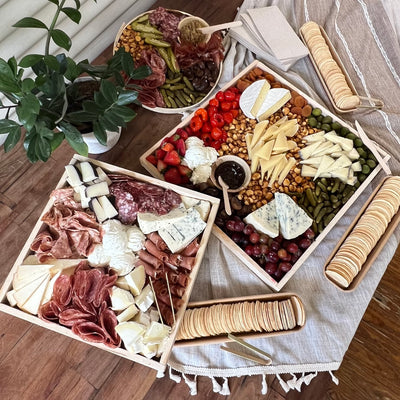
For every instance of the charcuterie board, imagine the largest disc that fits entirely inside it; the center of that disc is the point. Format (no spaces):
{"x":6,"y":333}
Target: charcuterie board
{"x":308,"y":167}
{"x":112,"y":265}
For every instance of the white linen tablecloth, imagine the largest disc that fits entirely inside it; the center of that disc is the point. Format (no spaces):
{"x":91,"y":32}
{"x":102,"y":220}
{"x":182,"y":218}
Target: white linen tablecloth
{"x":369,"y":48}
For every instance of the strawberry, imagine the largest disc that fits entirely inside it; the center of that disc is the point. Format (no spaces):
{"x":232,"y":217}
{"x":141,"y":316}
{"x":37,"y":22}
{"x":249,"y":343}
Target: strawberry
{"x":184,"y":179}
{"x":180,"y":147}
{"x":172,"y":158}
{"x":161,"y":166}
{"x":172,"y":175}
{"x":165,"y":140}
{"x":184,"y":170}
{"x":168,"y":147}
{"x":182,"y":133}
{"x":160,"y":154}
{"x":174,"y":139}
{"x":151,"y":158}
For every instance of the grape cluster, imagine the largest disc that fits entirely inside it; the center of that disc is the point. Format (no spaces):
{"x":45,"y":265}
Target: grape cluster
{"x":276,"y":256}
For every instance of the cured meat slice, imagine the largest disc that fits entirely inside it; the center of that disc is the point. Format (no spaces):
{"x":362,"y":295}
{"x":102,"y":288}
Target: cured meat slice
{"x":150,"y":259}
{"x":158,"y":241}
{"x":62,"y":291}
{"x":108,"y":321}
{"x":149,"y":269}
{"x":49,"y":311}
{"x":72,"y":316}
{"x":191,"y":249}
{"x":182,"y":261}
{"x":153,"y":250}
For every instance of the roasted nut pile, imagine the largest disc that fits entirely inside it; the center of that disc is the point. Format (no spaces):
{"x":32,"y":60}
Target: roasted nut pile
{"x":132,"y":42}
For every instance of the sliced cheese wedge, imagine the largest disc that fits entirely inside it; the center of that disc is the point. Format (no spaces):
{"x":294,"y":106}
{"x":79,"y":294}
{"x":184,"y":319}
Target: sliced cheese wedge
{"x":324,"y":166}
{"x":22,"y":279}
{"x":289,"y":165}
{"x":260,"y":98}
{"x":281,"y":144}
{"x":259,"y":130}
{"x":346,"y":144}
{"x":35,"y":300}
{"x":49,"y":289}
{"x":264,"y":219}
{"x":268,"y":165}
{"x":275,"y":99}
{"x":277,"y":170}
{"x":127,"y":314}
{"x":266,"y":150}
{"x":24,"y":293}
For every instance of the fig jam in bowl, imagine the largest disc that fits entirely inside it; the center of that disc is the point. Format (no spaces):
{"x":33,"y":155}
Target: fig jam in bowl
{"x":234,"y":171}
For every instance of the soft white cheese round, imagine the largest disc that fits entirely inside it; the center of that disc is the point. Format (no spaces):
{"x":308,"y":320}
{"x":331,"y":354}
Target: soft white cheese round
{"x":122,"y":263}
{"x":136,"y":238}
{"x":196,"y":156}
{"x":115,"y":243}
{"x":201,"y":174}
{"x":193,"y":141}
{"x":97,"y":258}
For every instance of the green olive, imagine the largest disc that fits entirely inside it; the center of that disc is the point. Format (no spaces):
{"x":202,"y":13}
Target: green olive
{"x":312,"y":122}
{"x":326,"y":127}
{"x":371,"y":163}
{"x":351,"y":136}
{"x":327,"y":120}
{"x":344,"y":131}
{"x":336,"y":126}
{"x":316,"y":112}
{"x":358,"y":142}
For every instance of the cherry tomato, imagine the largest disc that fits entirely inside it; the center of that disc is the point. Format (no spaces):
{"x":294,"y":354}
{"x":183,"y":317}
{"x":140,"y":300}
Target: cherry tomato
{"x":206,"y":127}
{"x":224,"y":136}
{"x":214,"y":102}
{"x":234,"y":89}
{"x":229,"y":95}
{"x":206,"y":138}
{"x":216,"y":144}
{"x":196,"y":123}
{"x":225,"y":105}
{"x":220,"y":96}
{"x":216,"y":133}
{"x":228,"y":117}
{"x":202,"y":113}
{"x":212,"y":110}
{"x":217,"y":120}
{"x":235,"y":105}
{"x":234,"y":113}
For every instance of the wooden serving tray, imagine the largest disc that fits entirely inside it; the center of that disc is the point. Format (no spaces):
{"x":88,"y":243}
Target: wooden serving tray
{"x":157,"y":364}
{"x":376,"y":250}
{"x":249,"y":335}
{"x":365,"y":102}
{"x":222,"y":236}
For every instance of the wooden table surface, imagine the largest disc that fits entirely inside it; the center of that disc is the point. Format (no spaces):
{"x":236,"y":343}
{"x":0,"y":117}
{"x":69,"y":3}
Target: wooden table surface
{"x":39,"y":364}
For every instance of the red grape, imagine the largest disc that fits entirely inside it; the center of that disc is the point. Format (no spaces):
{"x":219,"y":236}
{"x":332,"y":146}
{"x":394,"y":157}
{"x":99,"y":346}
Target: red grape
{"x":275,"y":246}
{"x":239,"y":225}
{"x":236,"y":237}
{"x":270,"y":267}
{"x":292,"y":248}
{"x":285,"y":267}
{"x":254,"y":237}
{"x":271,"y":256}
{"x":256,"y":250}
{"x":304,"y":243}
{"x":230,"y":225}
{"x":279,"y":239}
{"x":282,"y":253}
{"x":264,"y":248}
{"x":264,"y":239}
{"x":249,"y":249}
{"x":248,"y":229}
{"x":244,"y":241}
{"x":309,"y":234}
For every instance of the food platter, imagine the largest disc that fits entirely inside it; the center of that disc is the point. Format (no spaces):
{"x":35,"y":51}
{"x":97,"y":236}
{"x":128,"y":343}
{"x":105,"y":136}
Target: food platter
{"x":186,"y":73}
{"x":323,"y":198}
{"x":86,"y":275}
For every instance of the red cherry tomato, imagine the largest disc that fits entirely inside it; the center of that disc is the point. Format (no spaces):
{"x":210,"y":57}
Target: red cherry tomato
{"x":212,"y":110}
{"x":206,"y":138}
{"x":225,"y":105}
{"x":202,"y":113}
{"x":235,"y":105}
{"x":216,"y":144}
{"x":228,"y":117}
{"x":214,"y":102}
{"x":234,"y":113}
{"x":220,"y":96}
{"x":224,"y":136}
{"x":196,"y":123}
{"x":234,"y":89}
{"x":216,"y":133}
{"x":229,"y":95}
{"x":217,"y":120}
{"x":206,"y":127}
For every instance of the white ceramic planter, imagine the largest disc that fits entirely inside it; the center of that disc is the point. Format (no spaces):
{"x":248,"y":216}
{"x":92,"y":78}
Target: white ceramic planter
{"x":94,"y":147}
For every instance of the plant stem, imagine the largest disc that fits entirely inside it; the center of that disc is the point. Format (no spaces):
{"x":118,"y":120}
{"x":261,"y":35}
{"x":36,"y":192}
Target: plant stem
{"x":53,"y":24}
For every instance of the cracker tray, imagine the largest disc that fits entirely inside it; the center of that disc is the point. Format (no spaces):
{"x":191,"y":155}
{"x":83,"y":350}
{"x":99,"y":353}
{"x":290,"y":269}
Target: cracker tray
{"x":249,"y":335}
{"x":376,"y":250}
{"x":157,"y":364}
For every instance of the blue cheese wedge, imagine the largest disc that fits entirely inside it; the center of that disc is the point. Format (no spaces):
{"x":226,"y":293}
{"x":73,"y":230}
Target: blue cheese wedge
{"x":149,"y":222}
{"x":202,"y":206}
{"x":293,"y":220}
{"x":265,"y":220}
{"x":178,"y":234}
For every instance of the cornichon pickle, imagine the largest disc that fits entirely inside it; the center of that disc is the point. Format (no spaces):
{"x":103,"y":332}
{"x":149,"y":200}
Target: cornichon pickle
{"x":328,"y":218}
{"x":137,"y":26}
{"x":311,"y":197}
{"x":320,"y":215}
{"x":317,"y":209}
{"x":156,"y":42}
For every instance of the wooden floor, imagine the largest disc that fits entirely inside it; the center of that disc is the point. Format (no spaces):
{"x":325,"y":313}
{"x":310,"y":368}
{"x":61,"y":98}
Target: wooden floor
{"x":39,"y":364}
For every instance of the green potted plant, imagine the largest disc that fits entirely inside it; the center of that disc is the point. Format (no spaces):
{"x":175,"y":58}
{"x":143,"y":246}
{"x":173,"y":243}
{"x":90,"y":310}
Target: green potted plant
{"x":45,"y":103}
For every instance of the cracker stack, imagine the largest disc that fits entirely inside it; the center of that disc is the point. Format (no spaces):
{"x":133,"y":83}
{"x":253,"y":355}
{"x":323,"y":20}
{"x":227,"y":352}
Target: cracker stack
{"x":328,"y":67}
{"x":352,"y":254}
{"x":240,"y":317}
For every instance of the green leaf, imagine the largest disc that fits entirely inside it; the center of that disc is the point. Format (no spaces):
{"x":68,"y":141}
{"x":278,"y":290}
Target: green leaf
{"x":54,"y":2}
{"x":5,"y":70}
{"x":109,"y":91}
{"x":58,"y":138}
{"x":101,"y":100}
{"x":113,"y":118}
{"x":100,"y":133}
{"x":91,"y":107}
{"x":52,"y":62}
{"x":126,"y":113}
{"x":27,"y":110}
{"x":108,"y":124}
{"x":8,"y":85}
{"x":126,"y":97}
{"x":73,"y":70}
{"x":127,"y":63}
{"x":72,"y":14}
{"x":29,"y":22}
{"x":74,"y":138}
{"x":27,"y":84}
{"x":77,"y":117}
{"x":29,"y":60}
{"x":141,"y":72}
{"x":30,"y":146}
{"x":61,"y":39}
{"x":14,"y":133}
{"x":12,"y":62}
{"x":42,"y":148}
{"x":62,"y":60}
{"x":78,"y":3}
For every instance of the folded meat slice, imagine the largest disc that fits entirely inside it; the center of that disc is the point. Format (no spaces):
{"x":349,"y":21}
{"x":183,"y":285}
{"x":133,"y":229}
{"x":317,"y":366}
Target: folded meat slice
{"x":155,"y":251}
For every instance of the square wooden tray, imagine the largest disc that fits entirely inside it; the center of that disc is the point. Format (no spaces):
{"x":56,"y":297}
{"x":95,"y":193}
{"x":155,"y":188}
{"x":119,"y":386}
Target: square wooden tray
{"x":224,"y":238}
{"x":375,"y":251}
{"x":248,"y":335}
{"x":157,"y":364}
